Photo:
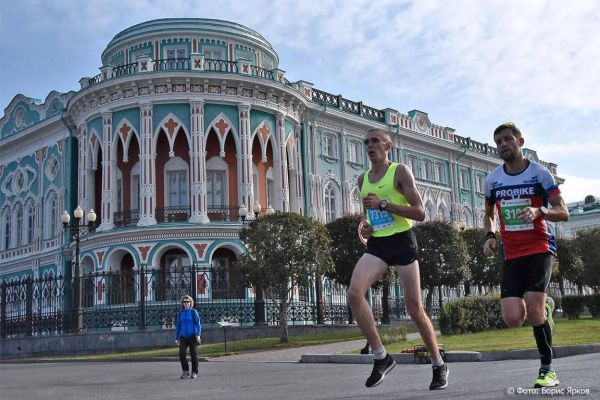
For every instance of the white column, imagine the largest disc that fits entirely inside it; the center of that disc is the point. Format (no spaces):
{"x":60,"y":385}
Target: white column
{"x":245,"y":195}
{"x":285,"y":185}
{"x":147,"y":170}
{"x":299,"y":170}
{"x":108,"y":174}
{"x":198,"y":164}
{"x":83,"y":168}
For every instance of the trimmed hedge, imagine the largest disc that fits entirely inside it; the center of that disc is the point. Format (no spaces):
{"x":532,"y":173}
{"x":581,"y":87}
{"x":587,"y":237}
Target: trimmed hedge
{"x":471,"y":314}
{"x":572,"y":306}
{"x":592,"y":302}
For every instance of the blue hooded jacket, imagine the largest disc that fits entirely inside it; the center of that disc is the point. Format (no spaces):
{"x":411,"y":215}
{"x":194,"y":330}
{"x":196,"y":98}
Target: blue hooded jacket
{"x":188,"y":323}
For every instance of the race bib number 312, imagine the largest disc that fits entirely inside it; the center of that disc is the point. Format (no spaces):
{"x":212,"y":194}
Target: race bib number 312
{"x":510,"y":211}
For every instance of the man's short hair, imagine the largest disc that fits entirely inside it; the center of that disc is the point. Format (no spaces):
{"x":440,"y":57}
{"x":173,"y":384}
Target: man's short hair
{"x":509,"y":125}
{"x":385,"y":132}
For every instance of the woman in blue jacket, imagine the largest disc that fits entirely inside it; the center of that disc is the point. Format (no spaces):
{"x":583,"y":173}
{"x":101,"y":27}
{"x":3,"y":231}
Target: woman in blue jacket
{"x":188,"y":335}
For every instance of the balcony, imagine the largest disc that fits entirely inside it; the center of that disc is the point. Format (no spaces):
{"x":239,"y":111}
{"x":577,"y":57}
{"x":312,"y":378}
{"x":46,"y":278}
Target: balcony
{"x":122,"y":219}
{"x":194,"y":65}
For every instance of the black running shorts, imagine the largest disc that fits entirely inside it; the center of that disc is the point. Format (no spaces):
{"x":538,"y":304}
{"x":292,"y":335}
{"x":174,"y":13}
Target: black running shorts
{"x":397,"y":249}
{"x":526,"y":274}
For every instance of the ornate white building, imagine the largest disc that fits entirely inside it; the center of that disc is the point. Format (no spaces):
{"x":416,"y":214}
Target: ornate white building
{"x":188,"y":120}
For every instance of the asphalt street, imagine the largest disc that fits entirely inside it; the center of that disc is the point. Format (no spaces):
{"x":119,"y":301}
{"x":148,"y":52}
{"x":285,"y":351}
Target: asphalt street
{"x":235,"y":379}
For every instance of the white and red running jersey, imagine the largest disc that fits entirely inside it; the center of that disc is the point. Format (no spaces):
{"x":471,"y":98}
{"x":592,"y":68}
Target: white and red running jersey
{"x":511,"y":194}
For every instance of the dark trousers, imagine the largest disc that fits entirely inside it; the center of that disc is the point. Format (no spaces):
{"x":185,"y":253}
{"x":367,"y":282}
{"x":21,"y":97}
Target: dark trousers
{"x":184,"y":343}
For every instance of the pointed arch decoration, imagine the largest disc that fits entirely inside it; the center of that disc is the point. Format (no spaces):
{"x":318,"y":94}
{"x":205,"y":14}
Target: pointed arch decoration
{"x":222,"y":126}
{"x":125,"y":131}
{"x":264,"y":131}
{"x":95,"y":145}
{"x":171,"y":125}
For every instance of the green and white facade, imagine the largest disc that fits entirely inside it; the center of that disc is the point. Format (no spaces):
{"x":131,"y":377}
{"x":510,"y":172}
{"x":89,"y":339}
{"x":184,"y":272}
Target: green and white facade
{"x":188,"y":120}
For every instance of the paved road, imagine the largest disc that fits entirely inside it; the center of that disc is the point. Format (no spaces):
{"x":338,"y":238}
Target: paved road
{"x":284,"y":380}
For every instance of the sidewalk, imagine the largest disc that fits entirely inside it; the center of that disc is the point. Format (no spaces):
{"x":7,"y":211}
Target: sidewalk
{"x":298,"y":353}
{"x":333,"y":353}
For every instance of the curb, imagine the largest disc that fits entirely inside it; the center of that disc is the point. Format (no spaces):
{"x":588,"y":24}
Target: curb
{"x":455,"y":356}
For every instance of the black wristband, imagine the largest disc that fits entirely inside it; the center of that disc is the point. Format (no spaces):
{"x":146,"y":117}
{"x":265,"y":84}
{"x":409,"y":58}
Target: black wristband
{"x":490,"y":235}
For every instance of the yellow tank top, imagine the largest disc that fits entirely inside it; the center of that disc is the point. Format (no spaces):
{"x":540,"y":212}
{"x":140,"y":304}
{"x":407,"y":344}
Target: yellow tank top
{"x":385,"y":223}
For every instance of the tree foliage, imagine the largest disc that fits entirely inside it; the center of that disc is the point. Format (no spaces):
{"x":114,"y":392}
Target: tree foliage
{"x":282,"y":250}
{"x":346,"y":247}
{"x":483,"y":271}
{"x":442,"y":256}
{"x":570,"y":265}
{"x":588,"y":241}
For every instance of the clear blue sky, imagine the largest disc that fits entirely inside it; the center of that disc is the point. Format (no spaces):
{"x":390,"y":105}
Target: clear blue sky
{"x":470,"y":65}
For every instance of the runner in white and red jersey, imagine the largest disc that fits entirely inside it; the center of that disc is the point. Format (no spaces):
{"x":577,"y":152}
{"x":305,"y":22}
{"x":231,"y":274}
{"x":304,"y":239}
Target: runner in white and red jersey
{"x":521,"y":191}
{"x":511,"y":193}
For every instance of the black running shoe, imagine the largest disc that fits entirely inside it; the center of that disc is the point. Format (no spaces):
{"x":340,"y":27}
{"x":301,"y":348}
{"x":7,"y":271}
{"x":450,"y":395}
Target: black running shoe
{"x":440,"y":378}
{"x":380,"y":368}
{"x":366,"y":349}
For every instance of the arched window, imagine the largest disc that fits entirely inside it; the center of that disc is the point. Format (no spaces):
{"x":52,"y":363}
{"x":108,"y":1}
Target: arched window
{"x":441,"y":176}
{"x":429,"y":211}
{"x":176,"y":183}
{"x":443,"y":212}
{"x":467,"y":216}
{"x":271,"y":198}
{"x":355,"y":202}
{"x":135,"y":187}
{"x":19,"y":225}
{"x":329,"y":194}
{"x":412,"y":163}
{"x":6,"y":229}
{"x":51,"y":217}
{"x":30,"y":221}
{"x":427,"y":170}
{"x":217,"y":182}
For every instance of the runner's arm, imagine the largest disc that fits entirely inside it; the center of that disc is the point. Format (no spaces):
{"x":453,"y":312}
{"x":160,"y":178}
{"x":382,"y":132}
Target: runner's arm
{"x":558,"y":211}
{"x":489,"y":224}
{"x":405,"y":183}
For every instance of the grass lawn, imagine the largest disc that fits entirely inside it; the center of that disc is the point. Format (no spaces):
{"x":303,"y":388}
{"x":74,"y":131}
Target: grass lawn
{"x":235,"y":347}
{"x":568,"y":332}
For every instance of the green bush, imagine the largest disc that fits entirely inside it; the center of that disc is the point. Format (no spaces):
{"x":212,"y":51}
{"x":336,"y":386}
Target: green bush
{"x":471,"y":314}
{"x":573,"y":306}
{"x":592,"y":302}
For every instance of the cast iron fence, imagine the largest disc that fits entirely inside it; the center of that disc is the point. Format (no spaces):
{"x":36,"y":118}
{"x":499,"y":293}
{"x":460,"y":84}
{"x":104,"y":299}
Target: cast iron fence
{"x":148,"y":297}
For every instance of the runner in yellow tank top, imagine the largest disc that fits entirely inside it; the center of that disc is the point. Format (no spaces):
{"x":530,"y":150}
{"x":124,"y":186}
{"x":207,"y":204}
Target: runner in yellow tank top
{"x":391,"y":201}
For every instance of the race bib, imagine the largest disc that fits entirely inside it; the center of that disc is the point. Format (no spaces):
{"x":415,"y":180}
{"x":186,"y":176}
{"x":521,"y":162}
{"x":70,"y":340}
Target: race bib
{"x":380,"y":219}
{"x":510,"y":211}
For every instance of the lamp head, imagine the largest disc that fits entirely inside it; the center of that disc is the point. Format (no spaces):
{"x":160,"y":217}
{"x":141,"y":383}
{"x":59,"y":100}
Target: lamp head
{"x":78,"y":213}
{"x":65,"y":218}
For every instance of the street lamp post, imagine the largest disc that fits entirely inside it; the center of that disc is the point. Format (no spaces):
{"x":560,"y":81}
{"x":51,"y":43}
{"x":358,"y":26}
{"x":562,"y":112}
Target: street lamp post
{"x":78,"y":231}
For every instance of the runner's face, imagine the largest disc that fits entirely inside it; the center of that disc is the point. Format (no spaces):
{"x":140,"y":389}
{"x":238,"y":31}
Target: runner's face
{"x":377,"y":145}
{"x":508,"y":145}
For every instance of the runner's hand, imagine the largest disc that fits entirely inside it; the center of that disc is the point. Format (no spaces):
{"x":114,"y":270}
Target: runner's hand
{"x":489,"y":247}
{"x":198,"y":339}
{"x":528,"y":214}
{"x":365,"y":230}
{"x":371,"y":201}
{"x":177,"y":342}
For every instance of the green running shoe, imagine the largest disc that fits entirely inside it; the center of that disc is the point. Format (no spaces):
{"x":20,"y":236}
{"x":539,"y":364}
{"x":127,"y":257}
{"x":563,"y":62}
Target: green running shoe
{"x":549,"y":311}
{"x":547,"y":378}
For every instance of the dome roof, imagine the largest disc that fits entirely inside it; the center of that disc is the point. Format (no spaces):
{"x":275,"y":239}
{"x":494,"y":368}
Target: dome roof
{"x":213,"y":28}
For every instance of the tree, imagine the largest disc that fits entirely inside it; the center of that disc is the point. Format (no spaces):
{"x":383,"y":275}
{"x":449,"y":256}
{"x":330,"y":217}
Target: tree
{"x":483,"y":271}
{"x":570,"y":265}
{"x":588,"y":242}
{"x":442,"y":256}
{"x":346,"y":247}
{"x":282,"y":249}
{"x":346,"y":250}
